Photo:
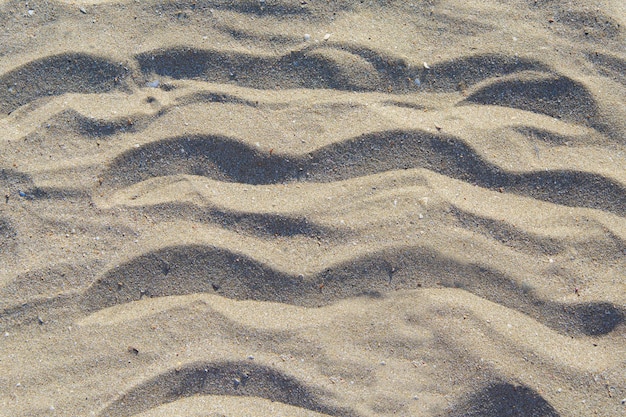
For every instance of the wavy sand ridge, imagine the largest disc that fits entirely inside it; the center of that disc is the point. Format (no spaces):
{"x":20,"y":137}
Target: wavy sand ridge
{"x":420,"y":213}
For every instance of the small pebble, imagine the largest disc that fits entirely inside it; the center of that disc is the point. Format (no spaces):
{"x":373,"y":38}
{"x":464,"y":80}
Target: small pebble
{"x":426,"y":65}
{"x":307,"y":37}
{"x":327,"y":36}
{"x":153,"y":84}
{"x":31,"y":12}
{"x":82,"y":10}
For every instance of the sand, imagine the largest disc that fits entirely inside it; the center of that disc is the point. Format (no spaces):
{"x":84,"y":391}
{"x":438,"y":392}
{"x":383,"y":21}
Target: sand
{"x":307,"y":208}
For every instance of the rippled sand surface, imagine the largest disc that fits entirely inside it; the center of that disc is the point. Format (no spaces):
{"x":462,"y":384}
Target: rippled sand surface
{"x":308,"y":208}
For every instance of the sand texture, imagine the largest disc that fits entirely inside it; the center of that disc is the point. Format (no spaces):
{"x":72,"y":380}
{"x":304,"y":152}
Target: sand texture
{"x":313,"y":208}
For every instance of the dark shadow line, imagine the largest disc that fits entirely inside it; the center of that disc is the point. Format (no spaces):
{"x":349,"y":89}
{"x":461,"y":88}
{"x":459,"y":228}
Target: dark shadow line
{"x":225,"y":159}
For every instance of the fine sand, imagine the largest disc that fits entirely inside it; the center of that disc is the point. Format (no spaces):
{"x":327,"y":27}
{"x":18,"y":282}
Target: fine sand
{"x":308,"y":208}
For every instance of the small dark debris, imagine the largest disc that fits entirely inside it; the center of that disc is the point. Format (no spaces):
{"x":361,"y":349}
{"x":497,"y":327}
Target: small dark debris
{"x":133,"y":350}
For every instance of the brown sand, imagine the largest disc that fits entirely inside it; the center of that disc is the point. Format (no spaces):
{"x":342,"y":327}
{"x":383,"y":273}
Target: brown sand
{"x":418,"y":210}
